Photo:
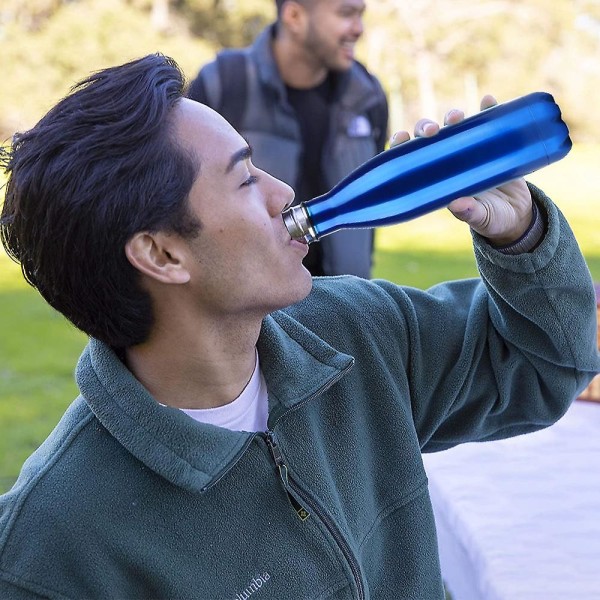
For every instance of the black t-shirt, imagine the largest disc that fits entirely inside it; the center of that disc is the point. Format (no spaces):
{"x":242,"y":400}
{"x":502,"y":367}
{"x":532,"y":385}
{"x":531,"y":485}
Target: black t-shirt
{"x":312,"y":110}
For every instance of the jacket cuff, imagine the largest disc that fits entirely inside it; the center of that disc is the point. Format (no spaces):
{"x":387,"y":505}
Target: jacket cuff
{"x":530,"y":239}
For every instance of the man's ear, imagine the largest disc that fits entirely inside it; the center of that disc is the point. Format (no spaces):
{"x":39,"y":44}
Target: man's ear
{"x":294,"y":16}
{"x":157,"y":255}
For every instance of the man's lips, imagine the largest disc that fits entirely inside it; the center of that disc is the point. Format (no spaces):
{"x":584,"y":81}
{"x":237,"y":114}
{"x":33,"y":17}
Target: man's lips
{"x":348,"y":47}
{"x":300,"y":244}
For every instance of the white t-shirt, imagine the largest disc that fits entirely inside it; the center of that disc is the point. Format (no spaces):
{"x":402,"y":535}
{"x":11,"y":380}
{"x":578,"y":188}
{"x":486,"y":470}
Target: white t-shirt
{"x":248,"y":412}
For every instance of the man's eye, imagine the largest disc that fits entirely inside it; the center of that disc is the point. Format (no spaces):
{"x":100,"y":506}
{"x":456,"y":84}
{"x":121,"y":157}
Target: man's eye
{"x":252,"y":179}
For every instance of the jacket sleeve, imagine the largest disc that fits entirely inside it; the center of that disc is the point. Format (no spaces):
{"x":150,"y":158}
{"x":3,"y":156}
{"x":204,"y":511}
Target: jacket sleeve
{"x":505,"y":354}
{"x":14,"y":592}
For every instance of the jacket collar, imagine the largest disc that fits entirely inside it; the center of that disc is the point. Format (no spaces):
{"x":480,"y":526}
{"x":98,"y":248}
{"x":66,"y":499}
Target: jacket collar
{"x":268,"y":72}
{"x":297,"y":366}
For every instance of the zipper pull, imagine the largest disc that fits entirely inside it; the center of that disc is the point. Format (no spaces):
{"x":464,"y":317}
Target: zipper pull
{"x":278,"y":458}
{"x":274,"y":448}
{"x":302,"y":513}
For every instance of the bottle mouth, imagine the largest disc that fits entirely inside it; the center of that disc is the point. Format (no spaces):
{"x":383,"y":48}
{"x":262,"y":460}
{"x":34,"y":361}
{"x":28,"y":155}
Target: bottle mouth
{"x":298,"y":224}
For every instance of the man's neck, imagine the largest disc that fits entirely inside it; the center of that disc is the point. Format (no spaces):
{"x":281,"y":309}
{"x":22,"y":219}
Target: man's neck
{"x":296,"y":67}
{"x":195,"y":367}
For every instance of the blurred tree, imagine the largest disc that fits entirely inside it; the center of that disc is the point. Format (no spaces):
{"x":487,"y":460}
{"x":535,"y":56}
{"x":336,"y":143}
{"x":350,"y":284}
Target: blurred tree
{"x":434,"y":54}
{"x":429,"y":54}
{"x":227,"y":23}
{"x":79,"y":37}
{"x":160,"y":15}
{"x":30,"y":15}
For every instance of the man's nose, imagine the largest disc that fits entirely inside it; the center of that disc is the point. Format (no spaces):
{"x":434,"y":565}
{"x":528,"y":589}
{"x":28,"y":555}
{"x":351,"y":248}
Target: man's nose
{"x":358,"y":26}
{"x":280,"y":195}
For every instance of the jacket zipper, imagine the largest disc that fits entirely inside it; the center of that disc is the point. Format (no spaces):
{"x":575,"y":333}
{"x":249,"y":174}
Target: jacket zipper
{"x":249,"y":441}
{"x":307,"y":504}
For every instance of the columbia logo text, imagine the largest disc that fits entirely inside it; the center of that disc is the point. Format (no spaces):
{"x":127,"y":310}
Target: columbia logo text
{"x":253,"y":587}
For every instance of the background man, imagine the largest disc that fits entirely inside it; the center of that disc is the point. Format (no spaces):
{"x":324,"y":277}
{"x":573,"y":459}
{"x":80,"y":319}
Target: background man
{"x":244,"y":429}
{"x":310,"y":111}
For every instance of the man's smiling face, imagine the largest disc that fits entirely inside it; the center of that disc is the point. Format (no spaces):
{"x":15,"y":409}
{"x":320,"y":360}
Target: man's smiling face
{"x":332,"y":30}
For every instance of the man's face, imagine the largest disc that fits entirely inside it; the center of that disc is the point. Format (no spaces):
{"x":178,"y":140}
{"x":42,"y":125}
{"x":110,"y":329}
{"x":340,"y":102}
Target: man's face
{"x":243,"y":261}
{"x":333,"y":28}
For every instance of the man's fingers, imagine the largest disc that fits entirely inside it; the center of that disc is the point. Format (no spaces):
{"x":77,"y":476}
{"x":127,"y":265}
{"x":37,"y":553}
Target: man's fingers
{"x":426,"y":128}
{"x":454,"y":116}
{"x":470,"y":211}
{"x":488,"y":101}
{"x":399,"y":138}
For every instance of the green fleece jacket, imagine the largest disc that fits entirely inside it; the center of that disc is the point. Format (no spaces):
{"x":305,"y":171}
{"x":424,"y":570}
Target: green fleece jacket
{"x":128,"y":499}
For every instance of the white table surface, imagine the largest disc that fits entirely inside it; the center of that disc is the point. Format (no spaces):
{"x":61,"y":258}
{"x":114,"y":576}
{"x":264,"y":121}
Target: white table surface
{"x":519,"y":519}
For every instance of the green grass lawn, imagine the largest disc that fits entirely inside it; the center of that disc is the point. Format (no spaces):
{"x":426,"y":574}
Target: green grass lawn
{"x":37,"y":353}
{"x":39,"y":349}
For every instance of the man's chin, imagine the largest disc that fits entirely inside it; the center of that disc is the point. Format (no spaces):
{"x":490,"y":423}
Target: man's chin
{"x":305,"y":288}
{"x":342,"y":65}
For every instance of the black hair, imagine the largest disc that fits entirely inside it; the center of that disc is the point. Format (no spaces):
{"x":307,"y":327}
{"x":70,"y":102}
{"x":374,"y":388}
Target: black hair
{"x":279,"y":5}
{"x":99,"y":167}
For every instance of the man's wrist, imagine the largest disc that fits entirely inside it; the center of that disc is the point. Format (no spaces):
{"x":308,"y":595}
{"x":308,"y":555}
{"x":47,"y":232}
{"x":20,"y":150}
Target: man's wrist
{"x":530,"y":239}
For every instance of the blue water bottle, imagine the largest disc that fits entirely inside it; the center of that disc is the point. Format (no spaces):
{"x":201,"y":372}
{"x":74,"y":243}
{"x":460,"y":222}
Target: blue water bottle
{"x":501,"y":143}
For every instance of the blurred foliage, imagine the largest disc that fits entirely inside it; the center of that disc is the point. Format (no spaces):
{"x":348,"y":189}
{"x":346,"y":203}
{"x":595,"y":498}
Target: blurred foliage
{"x":430,"y":54}
{"x":228,"y":23}
{"x":436,"y":54}
{"x":44,"y":53}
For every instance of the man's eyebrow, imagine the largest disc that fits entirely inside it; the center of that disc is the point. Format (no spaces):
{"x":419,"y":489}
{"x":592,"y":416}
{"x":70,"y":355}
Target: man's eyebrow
{"x":238,"y":156}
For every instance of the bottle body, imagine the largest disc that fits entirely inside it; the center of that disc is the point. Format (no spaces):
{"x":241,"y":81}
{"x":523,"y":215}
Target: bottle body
{"x":501,"y":143}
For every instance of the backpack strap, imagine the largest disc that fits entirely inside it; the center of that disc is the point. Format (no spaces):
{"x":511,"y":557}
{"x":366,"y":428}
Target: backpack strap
{"x":231,"y":64}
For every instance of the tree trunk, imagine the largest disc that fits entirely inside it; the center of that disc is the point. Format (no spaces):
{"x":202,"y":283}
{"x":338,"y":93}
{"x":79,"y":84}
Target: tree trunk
{"x":159,"y":17}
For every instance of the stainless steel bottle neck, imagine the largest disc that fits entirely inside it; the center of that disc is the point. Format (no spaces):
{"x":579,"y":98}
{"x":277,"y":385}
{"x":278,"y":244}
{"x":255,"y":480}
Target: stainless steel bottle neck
{"x":298,"y":224}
